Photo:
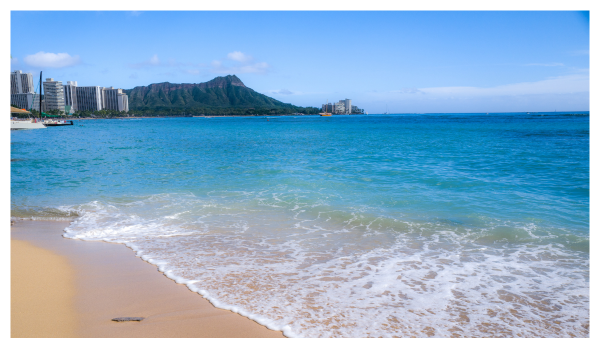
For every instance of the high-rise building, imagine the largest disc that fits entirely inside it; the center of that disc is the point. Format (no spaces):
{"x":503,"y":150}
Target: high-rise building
{"x":21,"y":89}
{"x":27,"y":101}
{"x":54,"y":95}
{"x":347,"y":106}
{"x":21,"y":83}
{"x":329,"y":108}
{"x":70,"y":90}
{"x":342,"y":107}
{"x":114,"y":99}
{"x":89,"y":98}
{"x":123,"y":102}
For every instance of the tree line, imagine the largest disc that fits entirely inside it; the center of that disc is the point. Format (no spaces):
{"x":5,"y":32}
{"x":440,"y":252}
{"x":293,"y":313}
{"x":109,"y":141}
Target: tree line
{"x":186,"y":112}
{"x":203,"y":111}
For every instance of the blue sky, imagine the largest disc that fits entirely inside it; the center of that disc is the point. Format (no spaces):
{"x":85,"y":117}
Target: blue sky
{"x":411,"y":62}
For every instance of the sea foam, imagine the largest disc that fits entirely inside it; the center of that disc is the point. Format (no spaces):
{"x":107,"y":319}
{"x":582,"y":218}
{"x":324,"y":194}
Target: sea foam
{"x":340,"y":273}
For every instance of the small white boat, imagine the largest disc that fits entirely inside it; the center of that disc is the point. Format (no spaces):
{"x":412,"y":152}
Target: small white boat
{"x":24,"y":123}
{"x":57,"y":123}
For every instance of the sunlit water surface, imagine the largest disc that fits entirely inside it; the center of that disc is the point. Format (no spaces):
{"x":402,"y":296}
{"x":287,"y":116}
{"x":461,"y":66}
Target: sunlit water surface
{"x":450,"y":225}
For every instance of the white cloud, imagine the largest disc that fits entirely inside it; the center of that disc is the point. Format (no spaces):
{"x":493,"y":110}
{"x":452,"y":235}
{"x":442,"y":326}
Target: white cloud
{"x":239,"y":56}
{"x":51,"y":60}
{"x":14,"y":61}
{"x":153,"y":62}
{"x":243,"y":64}
{"x":575,"y":83}
{"x":567,"y":92}
{"x":407,"y":91}
{"x":135,"y":13}
{"x":282,"y":92}
{"x":260,"y":67}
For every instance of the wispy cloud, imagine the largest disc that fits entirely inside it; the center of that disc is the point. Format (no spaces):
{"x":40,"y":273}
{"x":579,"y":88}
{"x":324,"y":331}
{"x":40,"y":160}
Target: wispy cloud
{"x":14,"y":61}
{"x":133,"y":76}
{"x":152,"y":62}
{"x":52,"y":60}
{"x":568,"y":84}
{"x":239,"y":56}
{"x":550,"y":64}
{"x":238,"y":63}
{"x":135,"y":13}
{"x":282,"y":92}
{"x":408,"y":91}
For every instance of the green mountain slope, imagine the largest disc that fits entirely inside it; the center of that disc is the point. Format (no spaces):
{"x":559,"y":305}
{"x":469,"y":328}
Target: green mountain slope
{"x":222,"y":91}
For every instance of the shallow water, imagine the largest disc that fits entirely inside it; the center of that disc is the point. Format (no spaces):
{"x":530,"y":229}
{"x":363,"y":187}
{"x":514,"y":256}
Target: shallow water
{"x":466,"y":225}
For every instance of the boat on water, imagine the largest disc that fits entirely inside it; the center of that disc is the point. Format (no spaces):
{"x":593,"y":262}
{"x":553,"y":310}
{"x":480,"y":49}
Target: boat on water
{"x":50,"y":120}
{"x":29,"y":122}
{"x":57,"y":123}
{"x":325,"y":113}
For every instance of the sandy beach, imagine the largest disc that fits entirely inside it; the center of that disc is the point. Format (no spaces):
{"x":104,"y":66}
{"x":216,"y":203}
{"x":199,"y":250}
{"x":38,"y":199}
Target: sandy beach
{"x":71,"y":288}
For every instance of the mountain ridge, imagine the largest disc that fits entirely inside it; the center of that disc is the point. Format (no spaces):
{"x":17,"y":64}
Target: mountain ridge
{"x":222,"y":91}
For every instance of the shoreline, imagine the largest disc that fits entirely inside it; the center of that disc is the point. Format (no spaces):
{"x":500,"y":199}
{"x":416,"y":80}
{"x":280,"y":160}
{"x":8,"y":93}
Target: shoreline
{"x":110,"y":281}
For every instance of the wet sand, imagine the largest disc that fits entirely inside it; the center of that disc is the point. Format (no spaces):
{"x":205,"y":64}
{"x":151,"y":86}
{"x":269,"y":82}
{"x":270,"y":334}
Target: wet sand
{"x":101,"y":281}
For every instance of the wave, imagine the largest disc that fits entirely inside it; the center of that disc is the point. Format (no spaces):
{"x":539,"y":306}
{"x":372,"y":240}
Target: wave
{"x":312,"y":270}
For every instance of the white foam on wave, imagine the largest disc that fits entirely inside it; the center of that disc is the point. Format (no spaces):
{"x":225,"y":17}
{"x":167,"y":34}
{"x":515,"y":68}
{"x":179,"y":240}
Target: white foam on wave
{"x":312,"y":275}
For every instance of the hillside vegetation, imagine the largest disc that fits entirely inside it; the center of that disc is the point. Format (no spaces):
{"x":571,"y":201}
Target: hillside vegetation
{"x":223,"y":95}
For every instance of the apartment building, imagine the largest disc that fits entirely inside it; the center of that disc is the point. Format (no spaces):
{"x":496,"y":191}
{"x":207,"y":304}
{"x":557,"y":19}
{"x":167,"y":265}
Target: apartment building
{"x":89,"y":98}
{"x":114,"y":99}
{"x":70,"y":90}
{"x":21,"y":83}
{"x":342,"y":107}
{"x":123,"y":102}
{"x":21,"y":89}
{"x":54,"y":95}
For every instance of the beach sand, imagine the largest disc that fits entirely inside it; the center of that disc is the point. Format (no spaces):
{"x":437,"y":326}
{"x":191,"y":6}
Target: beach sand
{"x":42,"y":293}
{"x":74,"y":288}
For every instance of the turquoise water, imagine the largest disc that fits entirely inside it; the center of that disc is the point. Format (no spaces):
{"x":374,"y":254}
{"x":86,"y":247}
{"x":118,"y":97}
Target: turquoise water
{"x":436,"y":224}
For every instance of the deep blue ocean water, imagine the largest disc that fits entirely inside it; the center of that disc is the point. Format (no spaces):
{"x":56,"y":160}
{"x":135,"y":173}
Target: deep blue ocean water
{"x":380,"y":225}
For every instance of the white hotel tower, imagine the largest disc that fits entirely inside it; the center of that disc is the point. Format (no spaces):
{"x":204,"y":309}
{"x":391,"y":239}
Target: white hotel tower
{"x":21,"y":90}
{"x":54,"y":95}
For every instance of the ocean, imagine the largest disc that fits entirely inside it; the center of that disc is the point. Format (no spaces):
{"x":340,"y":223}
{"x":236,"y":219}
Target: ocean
{"x":415,"y":225}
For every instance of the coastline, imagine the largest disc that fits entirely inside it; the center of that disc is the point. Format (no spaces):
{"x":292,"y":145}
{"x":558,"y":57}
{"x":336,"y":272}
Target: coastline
{"x":109,"y":281}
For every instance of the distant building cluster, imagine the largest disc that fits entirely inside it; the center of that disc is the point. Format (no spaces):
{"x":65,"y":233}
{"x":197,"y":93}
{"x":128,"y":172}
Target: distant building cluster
{"x":67,"y":98}
{"x":342,"y":107}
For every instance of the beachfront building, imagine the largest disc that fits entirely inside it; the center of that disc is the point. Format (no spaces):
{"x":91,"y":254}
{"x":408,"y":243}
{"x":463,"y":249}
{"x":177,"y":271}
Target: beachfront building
{"x":342,"y":107}
{"x":89,"y":98}
{"x":54,"y":95}
{"x":329,"y":108}
{"x":123,"y":102}
{"x":25,"y":101}
{"x":114,"y":99}
{"x":70,"y":90}
{"x":21,"y":83}
{"x":21,"y":89}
